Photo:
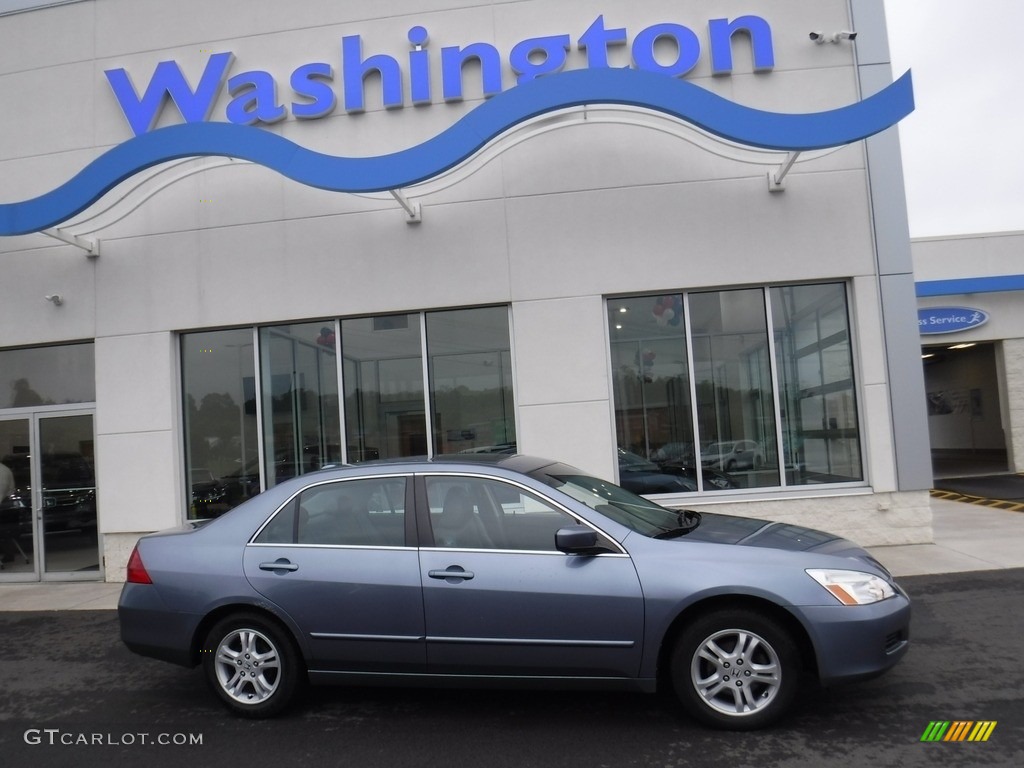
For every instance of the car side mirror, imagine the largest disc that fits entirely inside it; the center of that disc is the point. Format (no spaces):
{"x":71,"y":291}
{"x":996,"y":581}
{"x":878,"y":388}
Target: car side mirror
{"x":576,"y":540}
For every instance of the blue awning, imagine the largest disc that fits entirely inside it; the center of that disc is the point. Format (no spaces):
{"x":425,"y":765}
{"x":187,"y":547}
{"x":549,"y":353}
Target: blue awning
{"x":970,"y":285}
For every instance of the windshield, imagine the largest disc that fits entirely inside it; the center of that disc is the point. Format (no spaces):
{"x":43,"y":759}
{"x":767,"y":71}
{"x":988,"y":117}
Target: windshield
{"x":628,"y":509}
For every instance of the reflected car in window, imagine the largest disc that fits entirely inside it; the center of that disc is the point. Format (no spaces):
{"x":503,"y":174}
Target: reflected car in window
{"x":713,"y":478}
{"x":69,"y":490}
{"x":639,"y":475}
{"x":209,"y":495}
{"x":681,"y":452}
{"x":509,"y":571}
{"x":732,"y":455}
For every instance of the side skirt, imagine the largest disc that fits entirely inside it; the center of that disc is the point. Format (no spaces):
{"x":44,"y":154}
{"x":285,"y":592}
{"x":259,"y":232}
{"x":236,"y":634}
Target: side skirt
{"x":539,"y":682}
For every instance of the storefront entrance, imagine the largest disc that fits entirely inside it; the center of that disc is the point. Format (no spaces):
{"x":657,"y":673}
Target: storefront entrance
{"x":48,"y":529}
{"x":965,"y":421}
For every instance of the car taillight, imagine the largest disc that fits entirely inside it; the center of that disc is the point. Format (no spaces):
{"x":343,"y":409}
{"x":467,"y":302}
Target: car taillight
{"x":137,"y":573}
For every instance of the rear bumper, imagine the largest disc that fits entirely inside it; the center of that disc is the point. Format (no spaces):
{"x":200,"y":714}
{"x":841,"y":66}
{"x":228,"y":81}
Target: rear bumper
{"x":148,"y":628}
{"x":858,"y":642}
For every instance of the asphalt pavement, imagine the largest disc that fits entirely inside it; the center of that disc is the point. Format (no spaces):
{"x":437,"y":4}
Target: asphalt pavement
{"x":75,"y":696}
{"x":1007,"y":488}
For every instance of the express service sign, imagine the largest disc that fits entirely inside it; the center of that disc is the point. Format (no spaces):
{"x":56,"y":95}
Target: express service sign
{"x":935,"y":320}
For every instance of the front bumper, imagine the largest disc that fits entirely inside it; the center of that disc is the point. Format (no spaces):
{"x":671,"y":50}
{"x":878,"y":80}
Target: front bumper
{"x":857,"y":642}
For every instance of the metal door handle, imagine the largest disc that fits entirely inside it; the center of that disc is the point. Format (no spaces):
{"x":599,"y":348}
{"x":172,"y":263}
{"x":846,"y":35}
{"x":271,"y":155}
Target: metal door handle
{"x":279,"y":565}
{"x":453,"y":574}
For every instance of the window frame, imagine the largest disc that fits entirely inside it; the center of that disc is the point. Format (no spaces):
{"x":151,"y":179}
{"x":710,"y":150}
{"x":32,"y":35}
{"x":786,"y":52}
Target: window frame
{"x":409,"y":528}
{"x":425,"y":526}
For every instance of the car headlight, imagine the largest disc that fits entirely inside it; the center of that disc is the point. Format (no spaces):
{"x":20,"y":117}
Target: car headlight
{"x":852,"y":587}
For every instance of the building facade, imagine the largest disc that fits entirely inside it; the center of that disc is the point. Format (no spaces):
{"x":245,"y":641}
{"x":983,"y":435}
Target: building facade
{"x":971,"y":321}
{"x":667,"y":244}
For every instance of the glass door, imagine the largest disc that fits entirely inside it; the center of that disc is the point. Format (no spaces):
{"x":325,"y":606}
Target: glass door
{"x":48,"y":518}
{"x":17,"y":534}
{"x":66,"y":504}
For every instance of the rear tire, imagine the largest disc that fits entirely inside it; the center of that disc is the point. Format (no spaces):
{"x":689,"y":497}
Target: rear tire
{"x":252,"y":665}
{"x":736,"y":669}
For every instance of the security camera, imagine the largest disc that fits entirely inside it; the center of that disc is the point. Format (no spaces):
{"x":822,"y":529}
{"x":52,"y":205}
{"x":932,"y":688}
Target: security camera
{"x":835,"y":37}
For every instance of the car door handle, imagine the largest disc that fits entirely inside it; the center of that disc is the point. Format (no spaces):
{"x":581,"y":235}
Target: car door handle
{"x":453,"y":574}
{"x":279,"y":565}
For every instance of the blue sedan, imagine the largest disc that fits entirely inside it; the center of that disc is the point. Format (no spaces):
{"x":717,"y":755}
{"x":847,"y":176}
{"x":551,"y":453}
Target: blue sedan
{"x":510,"y":571}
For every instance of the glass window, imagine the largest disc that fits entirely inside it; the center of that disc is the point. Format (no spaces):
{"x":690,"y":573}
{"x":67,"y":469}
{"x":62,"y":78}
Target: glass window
{"x":478,"y":513}
{"x":650,"y":378}
{"x":222,"y":456}
{"x":820,"y":434}
{"x":364,"y":513}
{"x":54,"y":375}
{"x":281,"y":527}
{"x":384,"y":403}
{"x":302,"y":423}
{"x":719,"y":339}
{"x":385,"y":384}
{"x":471,"y":380}
{"x":735,"y":399}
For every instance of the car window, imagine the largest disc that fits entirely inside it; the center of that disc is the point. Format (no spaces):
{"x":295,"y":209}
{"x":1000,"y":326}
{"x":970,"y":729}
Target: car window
{"x":481,"y":513}
{"x":368,"y":512}
{"x":612,"y":501}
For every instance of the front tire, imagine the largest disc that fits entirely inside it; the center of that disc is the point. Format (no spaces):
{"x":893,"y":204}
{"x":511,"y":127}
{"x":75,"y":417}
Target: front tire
{"x":252,"y":665}
{"x":736,"y":670}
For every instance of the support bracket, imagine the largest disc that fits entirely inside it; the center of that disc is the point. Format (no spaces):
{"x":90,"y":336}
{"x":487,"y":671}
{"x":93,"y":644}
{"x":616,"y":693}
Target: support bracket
{"x":776,"y":178}
{"x":413,"y":210}
{"x":90,"y":246}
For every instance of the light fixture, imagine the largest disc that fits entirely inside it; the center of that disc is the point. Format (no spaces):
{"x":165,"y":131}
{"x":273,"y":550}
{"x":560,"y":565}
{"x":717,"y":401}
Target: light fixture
{"x":56,"y":298}
{"x":926,"y":356}
{"x":962,"y":346}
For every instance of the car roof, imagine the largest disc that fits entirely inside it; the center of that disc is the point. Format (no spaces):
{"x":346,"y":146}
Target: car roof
{"x":516,"y":462}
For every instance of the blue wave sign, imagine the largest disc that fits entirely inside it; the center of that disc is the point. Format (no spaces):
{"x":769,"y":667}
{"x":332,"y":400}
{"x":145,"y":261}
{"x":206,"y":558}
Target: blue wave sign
{"x":642,"y":89}
{"x":935,"y":320}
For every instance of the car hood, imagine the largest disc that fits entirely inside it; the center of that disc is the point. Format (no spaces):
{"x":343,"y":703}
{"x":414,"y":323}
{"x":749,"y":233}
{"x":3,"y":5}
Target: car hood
{"x":752,"y":532}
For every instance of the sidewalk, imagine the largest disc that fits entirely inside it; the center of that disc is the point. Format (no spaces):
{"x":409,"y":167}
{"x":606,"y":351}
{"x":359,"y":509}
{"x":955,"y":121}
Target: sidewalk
{"x":59,"y":596}
{"x":967,"y":538}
